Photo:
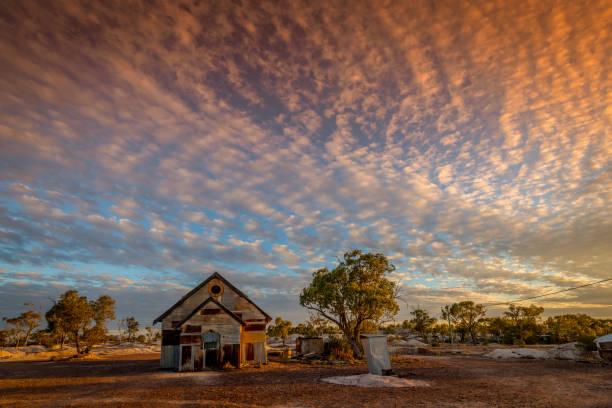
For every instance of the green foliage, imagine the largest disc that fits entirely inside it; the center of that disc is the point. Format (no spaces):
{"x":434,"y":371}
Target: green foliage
{"x":523,"y":323}
{"x":421,"y":323}
{"x":587,"y":342}
{"x":497,"y":327}
{"x":151,"y":334}
{"x":72,"y":315}
{"x":570,"y":327}
{"x":103,"y":309}
{"x":44,"y":338}
{"x":369,"y":327}
{"x":439,"y":332}
{"x":315,"y":326}
{"x":303,"y":329}
{"x":338,"y":348}
{"x":131,"y":328}
{"x":355,"y":292}
{"x":465,"y":318}
{"x":390,"y":329}
{"x":92,"y":336}
{"x":280,"y":328}
{"x":4,"y":338}
{"x":23,"y":325}
{"x":449,"y":314}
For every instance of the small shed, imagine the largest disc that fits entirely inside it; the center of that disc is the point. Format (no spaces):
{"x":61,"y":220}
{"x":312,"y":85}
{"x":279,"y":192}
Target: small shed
{"x":213,"y":325}
{"x":309,"y":345}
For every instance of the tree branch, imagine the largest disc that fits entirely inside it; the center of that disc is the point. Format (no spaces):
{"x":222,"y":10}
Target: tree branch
{"x":316,"y":309}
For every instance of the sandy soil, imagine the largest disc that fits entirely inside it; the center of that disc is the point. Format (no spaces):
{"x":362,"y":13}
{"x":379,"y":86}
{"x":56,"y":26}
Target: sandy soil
{"x":106,"y":350}
{"x":136,"y":381}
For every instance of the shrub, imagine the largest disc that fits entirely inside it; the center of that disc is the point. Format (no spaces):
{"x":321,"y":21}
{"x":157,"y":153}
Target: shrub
{"x":518,"y":342}
{"x":587,"y":343}
{"x":46,"y":339}
{"x":339,"y":349}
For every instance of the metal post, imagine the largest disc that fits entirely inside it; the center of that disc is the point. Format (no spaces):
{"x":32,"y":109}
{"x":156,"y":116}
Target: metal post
{"x":450,"y":329}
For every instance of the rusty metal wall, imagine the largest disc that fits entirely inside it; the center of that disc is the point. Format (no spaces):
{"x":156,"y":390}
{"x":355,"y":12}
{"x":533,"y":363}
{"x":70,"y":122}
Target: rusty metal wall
{"x":311,"y":345}
{"x":169,"y":356}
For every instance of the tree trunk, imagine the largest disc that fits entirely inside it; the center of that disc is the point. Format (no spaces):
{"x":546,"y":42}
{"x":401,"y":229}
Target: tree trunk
{"x":355,"y":347}
{"x":27,"y":337}
{"x":76,"y":340}
{"x":353,"y":338}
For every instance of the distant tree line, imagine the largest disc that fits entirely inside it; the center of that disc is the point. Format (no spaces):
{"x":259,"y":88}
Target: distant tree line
{"x":357,"y":297}
{"x":73,"y":319}
{"x":314,"y":327}
{"x":519,"y":325}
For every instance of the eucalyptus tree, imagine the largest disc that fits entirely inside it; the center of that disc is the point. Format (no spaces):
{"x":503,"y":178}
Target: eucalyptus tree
{"x":72,"y":316}
{"x":354,"y":293}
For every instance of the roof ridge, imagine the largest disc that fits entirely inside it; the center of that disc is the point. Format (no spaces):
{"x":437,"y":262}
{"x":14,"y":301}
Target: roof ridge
{"x":217,"y":275}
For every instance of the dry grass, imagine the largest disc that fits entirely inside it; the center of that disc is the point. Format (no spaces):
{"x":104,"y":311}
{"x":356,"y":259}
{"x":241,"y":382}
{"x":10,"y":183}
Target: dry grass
{"x":136,"y":381}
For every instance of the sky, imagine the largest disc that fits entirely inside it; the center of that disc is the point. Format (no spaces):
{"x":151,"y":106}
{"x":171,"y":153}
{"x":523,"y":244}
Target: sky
{"x":144,"y":145}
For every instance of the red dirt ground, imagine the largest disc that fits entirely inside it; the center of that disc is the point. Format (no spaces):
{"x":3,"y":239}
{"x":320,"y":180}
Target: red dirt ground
{"x":136,"y":381}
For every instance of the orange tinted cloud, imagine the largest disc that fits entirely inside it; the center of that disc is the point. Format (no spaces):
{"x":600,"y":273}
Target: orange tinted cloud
{"x":468,"y":140}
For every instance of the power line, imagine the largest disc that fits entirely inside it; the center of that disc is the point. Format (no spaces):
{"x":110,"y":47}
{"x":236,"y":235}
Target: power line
{"x":550,"y":293}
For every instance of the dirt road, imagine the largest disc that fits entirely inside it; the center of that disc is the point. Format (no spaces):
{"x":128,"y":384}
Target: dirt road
{"x":136,"y":381}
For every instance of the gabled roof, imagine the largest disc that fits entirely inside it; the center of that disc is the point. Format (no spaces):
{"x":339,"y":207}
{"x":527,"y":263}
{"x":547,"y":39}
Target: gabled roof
{"x":204,"y":303}
{"x":194,"y":290}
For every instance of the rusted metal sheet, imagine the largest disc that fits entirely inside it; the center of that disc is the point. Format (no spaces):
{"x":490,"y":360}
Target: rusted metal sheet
{"x":198,"y":358}
{"x":170,"y":337}
{"x":231,"y":354}
{"x":259,"y":353}
{"x":190,"y":339}
{"x":250,"y":353}
{"x":307,"y":345}
{"x":255,"y":327}
{"x":169,"y":356}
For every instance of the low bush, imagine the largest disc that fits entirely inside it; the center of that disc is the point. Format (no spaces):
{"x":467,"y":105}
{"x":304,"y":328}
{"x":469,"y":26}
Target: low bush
{"x":339,"y":349}
{"x":587,"y":343}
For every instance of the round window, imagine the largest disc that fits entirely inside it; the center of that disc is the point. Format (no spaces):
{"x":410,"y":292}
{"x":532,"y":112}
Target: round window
{"x":215,"y":290}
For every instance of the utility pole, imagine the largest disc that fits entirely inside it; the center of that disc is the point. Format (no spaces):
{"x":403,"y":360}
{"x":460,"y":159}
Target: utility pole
{"x":450,"y":329}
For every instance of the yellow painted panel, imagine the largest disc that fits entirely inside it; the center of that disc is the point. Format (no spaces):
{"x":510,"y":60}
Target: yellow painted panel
{"x":253,"y":337}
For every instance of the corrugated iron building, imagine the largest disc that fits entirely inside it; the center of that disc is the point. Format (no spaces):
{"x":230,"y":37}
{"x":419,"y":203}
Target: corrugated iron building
{"x":212,"y":325}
